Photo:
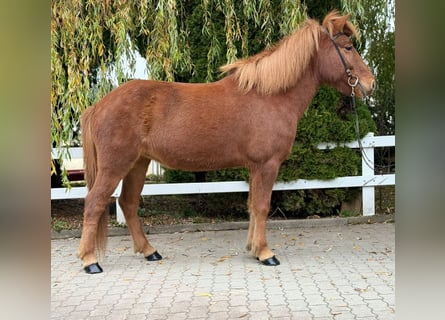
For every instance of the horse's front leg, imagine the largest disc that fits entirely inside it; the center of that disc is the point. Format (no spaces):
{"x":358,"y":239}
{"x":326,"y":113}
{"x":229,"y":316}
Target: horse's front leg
{"x":262,"y":180}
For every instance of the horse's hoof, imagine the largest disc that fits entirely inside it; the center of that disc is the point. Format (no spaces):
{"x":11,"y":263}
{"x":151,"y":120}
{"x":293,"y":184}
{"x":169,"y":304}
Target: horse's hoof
{"x":155,"y":256}
{"x":273,"y":261}
{"x":93,"y":268}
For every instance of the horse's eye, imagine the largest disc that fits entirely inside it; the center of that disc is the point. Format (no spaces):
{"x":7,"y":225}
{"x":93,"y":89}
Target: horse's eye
{"x":349,"y":48}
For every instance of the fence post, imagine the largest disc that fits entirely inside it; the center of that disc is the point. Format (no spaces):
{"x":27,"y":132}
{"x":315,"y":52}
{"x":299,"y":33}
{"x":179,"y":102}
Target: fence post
{"x":119,"y":213}
{"x":368,"y":195}
{"x":156,"y":168}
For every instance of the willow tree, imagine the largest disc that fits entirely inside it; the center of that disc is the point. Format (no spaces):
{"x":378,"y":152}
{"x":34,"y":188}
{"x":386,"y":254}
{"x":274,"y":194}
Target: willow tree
{"x":94,"y":41}
{"x":380,"y":52}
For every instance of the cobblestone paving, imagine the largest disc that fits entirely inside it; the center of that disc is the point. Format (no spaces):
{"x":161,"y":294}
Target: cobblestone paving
{"x":338,"y":272}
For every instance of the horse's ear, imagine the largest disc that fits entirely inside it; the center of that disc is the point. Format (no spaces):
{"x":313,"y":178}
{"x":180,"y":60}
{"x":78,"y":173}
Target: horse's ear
{"x":339,"y":24}
{"x":336,"y":23}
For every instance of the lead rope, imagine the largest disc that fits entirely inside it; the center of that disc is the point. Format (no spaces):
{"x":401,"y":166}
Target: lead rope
{"x":370,"y":164}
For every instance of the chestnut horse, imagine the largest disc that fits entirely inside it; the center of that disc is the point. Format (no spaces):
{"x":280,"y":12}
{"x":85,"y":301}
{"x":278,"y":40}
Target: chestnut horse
{"x":247,"y":119}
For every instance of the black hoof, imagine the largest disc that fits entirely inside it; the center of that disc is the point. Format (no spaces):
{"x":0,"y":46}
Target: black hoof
{"x":93,"y":268}
{"x":271,"y":261}
{"x":155,"y":256}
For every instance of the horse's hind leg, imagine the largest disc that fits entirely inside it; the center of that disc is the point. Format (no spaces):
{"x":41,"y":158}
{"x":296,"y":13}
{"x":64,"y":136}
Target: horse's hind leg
{"x":94,"y":218}
{"x":129,"y":200}
{"x":261,"y":184}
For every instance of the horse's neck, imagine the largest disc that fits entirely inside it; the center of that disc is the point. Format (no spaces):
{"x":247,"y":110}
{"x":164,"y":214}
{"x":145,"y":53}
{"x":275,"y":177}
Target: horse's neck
{"x":301,"y":95}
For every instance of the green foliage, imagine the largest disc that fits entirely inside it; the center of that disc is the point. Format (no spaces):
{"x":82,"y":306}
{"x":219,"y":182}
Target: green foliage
{"x":189,"y":212}
{"x":59,"y":225}
{"x":303,"y":203}
{"x":377,"y":23}
{"x":177,"y":176}
{"x":311,"y":163}
{"x":222,"y":32}
{"x":228,"y":175}
{"x":141,"y":212}
{"x":323,"y":202}
{"x":317,"y":8}
{"x":348,"y":213}
{"x":330,"y":119}
{"x":223,"y":204}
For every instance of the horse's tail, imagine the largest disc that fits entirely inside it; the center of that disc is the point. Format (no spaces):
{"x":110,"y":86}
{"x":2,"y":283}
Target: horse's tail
{"x":90,"y":171}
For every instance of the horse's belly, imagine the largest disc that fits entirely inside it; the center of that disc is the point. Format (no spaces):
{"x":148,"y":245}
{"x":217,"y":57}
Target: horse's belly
{"x":197,"y":164}
{"x":188,"y":158}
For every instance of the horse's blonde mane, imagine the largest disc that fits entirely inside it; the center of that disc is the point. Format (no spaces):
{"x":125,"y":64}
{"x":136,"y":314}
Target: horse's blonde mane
{"x":280,"y":67}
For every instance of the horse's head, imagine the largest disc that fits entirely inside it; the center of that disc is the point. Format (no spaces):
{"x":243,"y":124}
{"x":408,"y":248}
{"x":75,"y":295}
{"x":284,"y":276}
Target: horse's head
{"x":339,"y":64}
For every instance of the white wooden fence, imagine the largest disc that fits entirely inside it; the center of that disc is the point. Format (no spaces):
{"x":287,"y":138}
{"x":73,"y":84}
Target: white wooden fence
{"x":367,"y":181}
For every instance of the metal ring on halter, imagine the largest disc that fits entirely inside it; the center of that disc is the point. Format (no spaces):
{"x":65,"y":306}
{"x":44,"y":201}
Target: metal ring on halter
{"x":353,"y":81}
{"x":353,"y":92}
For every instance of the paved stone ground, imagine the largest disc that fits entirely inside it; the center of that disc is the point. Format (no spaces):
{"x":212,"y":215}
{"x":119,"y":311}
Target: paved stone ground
{"x":328,"y":272}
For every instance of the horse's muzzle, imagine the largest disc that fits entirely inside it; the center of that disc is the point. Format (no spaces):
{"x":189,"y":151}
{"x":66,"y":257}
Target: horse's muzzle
{"x":366,"y":89}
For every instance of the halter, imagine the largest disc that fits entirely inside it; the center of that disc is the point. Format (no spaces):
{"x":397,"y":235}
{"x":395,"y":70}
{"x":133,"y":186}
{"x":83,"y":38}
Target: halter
{"x":353,"y":80}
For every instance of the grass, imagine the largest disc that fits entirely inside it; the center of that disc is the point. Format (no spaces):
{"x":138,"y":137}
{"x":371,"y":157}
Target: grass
{"x":348,"y":213}
{"x":59,"y":225}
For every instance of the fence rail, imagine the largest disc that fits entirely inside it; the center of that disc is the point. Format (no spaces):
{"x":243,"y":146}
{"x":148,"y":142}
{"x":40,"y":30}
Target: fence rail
{"x":367,"y":181}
